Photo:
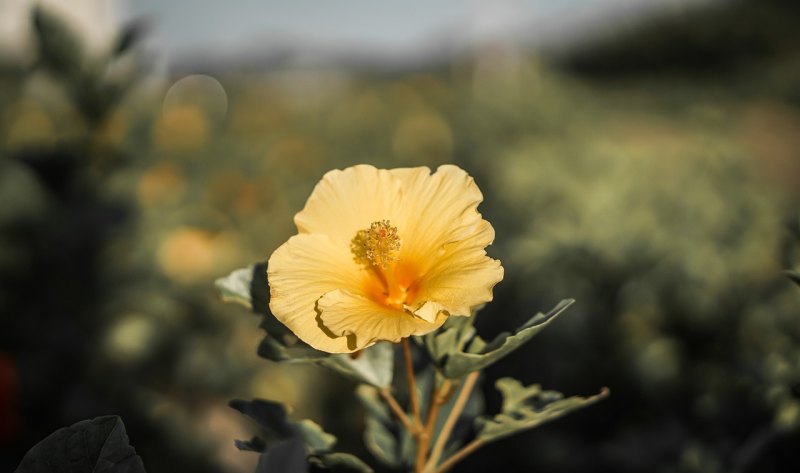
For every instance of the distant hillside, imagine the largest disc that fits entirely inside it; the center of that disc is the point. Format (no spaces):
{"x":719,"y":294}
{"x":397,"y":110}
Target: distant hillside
{"x":713,"y":38}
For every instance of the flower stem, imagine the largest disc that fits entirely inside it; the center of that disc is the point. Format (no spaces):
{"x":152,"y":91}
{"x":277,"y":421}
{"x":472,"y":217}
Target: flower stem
{"x":438,"y":398}
{"x":450,"y":422}
{"x":459,"y":455}
{"x":394,"y":406}
{"x":412,"y":386}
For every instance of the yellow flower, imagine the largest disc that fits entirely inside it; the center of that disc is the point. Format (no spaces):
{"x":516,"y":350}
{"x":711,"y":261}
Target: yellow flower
{"x":382,"y":255}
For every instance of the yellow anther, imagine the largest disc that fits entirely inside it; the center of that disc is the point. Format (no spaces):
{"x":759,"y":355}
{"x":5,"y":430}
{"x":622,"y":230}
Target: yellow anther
{"x":376,"y":245}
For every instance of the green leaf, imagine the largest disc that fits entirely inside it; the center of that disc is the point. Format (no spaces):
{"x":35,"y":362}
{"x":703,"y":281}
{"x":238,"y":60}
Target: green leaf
{"x":379,"y":436}
{"x":373,"y":365}
{"x":458,"y":351}
{"x":247,"y":286}
{"x":99,"y":445}
{"x":274,"y":419}
{"x":342,"y":463}
{"x":381,"y":442}
{"x":528,"y":407}
{"x":317,"y":440}
{"x":235,"y":287}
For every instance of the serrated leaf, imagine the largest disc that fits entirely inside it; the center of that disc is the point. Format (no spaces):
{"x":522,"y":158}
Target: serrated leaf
{"x":459,"y":353}
{"x":98,"y":445}
{"x":287,"y":456}
{"x":528,"y":407}
{"x":343,"y":463}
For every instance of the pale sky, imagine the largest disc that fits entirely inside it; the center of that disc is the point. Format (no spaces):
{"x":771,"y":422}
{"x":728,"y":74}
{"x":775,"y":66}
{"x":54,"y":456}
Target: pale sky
{"x":219,"y":27}
{"x":194,"y":24}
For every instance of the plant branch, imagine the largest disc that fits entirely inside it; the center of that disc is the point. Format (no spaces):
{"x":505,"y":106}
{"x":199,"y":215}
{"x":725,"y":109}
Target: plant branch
{"x":459,"y":455}
{"x":394,"y":406}
{"x":412,"y":386}
{"x":438,"y":398}
{"x":450,"y":422}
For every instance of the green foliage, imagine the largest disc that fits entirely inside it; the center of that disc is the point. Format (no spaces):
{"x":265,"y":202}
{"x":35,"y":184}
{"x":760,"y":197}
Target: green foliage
{"x":96,"y":84}
{"x":98,"y":445}
{"x":458,"y":351}
{"x":527,"y":407}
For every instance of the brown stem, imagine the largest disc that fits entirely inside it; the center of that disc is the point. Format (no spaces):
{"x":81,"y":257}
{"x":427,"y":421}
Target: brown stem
{"x":412,"y":385}
{"x":450,"y":422}
{"x":459,"y":455}
{"x":438,"y":398}
{"x":387,"y":396}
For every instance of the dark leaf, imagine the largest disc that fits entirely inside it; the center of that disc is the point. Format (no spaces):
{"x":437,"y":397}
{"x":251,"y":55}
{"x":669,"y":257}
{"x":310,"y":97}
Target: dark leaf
{"x":288,"y":456}
{"x":130,"y":36}
{"x":793,"y":275}
{"x":274,"y":419}
{"x":60,"y":48}
{"x":269,"y":415}
{"x":255,"y":444}
{"x":98,"y":445}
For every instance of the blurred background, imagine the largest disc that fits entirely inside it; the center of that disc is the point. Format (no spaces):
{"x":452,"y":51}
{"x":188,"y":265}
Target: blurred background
{"x":642,"y":157}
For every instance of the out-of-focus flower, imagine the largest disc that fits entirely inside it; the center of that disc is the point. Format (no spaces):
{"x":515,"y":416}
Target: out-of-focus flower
{"x":383,"y":255}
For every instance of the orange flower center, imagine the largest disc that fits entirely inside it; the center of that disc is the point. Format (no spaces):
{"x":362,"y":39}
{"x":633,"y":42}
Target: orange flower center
{"x":388,"y":281}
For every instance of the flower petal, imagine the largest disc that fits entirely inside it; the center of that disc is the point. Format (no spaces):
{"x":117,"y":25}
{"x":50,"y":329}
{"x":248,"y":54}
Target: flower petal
{"x":300,"y":272}
{"x":462,"y":277}
{"x":363,"y":322}
{"x":445,"y":235}
{"x":439,"y":208}
{"x":346,"y":201}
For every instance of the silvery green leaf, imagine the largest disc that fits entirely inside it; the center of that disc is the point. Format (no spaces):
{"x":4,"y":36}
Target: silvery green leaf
{"x":235,"y":287}
{"x":373,"y":404}
{"x":380,"y":427}
{"x":479,"y":354}
{"x":373,"y":365}
{"x":528,"y":407}
{"x":451,"y":338}
{"x":317,"y":440}
{"x":380,"y":442}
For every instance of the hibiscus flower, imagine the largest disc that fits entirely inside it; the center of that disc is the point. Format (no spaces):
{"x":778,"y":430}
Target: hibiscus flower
{"x":383,"y":254}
